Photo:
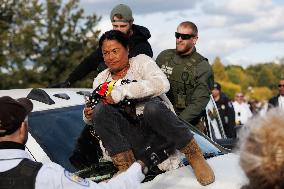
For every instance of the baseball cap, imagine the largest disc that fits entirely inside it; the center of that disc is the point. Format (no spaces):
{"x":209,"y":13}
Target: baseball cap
{"x":122,"y":10}
{"x":217,"y":86}
{"x":13,"y":113}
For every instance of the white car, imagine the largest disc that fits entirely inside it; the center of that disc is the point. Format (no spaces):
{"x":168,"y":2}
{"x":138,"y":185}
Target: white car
{"x":55,"y":134}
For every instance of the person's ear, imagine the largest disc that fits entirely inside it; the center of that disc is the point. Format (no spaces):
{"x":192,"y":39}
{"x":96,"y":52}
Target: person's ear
{"x":23,"y":130}
{"x":195,"y":40}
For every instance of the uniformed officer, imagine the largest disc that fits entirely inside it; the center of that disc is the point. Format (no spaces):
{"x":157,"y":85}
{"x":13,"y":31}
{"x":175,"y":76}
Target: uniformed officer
{"x":18,"y":171}
{"x":226,"y":110}
{"x":189,"y":73}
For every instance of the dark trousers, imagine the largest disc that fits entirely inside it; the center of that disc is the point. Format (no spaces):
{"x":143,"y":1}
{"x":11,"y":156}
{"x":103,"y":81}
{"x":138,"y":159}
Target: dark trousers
{"x":118,"y":134}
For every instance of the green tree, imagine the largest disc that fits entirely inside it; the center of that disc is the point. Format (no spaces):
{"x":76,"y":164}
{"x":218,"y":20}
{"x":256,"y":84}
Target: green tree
{"x":41,"y":42}
{"x":266,"y":77}
{"x":238,"y":75}
{"x":260,"y":93}
{"x":230,"y":89}
{"x":219,"y":70}
{"x":266,"y":74}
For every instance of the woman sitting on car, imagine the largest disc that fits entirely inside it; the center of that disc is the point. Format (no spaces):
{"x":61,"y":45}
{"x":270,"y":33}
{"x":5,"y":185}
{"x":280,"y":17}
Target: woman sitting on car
{"x":124,"y":130}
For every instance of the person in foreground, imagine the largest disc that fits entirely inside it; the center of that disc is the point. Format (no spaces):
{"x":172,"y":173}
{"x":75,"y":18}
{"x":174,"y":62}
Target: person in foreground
{"x":19,"y":171}
{"x":262,"y":151}
{"x":123,"y":132}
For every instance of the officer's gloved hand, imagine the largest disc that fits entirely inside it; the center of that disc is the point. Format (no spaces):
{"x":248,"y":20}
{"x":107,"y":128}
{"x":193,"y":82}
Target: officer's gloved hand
{"x":64,"y":84}
{"x":152,"y":156}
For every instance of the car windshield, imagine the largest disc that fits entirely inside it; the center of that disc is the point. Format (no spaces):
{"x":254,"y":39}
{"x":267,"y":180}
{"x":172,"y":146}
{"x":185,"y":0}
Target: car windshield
{"x":58,"y":132}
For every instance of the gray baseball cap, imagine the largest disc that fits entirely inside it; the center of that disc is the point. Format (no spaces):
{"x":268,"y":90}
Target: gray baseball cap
{"x":124,"y":11}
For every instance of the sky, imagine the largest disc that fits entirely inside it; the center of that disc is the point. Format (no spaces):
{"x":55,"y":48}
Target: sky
{"x":241,"y":32}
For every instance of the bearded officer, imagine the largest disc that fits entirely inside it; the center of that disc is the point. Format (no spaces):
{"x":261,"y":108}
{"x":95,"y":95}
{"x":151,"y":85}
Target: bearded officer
{"x":189,"y":73}
{"x":18,"y":171}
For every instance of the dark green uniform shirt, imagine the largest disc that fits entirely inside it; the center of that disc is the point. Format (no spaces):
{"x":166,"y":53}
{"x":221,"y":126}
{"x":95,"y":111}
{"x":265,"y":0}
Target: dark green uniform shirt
{"x":191,"y":79}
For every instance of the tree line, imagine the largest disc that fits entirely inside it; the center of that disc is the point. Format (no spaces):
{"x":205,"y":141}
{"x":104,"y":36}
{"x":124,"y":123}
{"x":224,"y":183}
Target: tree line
{"x":41,"y":42}
{"x":258,"y":82}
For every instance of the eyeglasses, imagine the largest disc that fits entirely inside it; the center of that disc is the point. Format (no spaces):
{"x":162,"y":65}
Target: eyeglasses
{"x":281,"y":85}
{"x":183,"y":36}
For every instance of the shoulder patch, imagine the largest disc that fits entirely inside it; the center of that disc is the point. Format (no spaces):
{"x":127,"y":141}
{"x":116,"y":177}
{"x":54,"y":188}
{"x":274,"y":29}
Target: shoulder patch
{"x":74,"y":178}
{"x":167,"y":69}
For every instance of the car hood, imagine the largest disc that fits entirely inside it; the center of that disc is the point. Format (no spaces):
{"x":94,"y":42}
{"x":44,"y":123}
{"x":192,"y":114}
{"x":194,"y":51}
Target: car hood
{"x":228,"y":175}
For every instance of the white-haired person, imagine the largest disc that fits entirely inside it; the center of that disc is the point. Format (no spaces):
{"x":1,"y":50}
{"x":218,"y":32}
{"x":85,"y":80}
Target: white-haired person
{"x":262,"y":151}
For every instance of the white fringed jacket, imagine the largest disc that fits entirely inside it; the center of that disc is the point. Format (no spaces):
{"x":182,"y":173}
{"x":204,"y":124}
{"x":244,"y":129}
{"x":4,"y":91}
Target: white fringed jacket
{"x":151,"y":82}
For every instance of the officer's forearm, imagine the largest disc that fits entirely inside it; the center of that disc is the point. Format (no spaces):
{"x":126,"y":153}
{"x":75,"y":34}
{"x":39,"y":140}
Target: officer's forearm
{"x":89,"y":64}
{"x":194,"y":110}
{"x":80,"y":71}
{"x":130,"y":179}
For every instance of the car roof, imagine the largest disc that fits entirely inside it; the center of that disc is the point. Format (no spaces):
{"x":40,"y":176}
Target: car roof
{"x":75,"y":98}
{"x":228,"y":175}
{"x":226,"y":167}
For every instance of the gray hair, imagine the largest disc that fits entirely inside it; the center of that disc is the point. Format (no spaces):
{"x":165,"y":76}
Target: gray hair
{"x":262,"y":151}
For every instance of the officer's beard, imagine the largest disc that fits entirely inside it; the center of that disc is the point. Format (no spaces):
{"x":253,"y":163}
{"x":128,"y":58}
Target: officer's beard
{"x":187,"y":49}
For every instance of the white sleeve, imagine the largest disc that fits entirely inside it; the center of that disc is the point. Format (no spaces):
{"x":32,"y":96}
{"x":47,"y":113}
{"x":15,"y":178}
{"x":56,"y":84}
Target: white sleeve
{"x":249,"y":113}
{"x":101,"y":77}
{"x":87,"y":121}
{"x":151,"y":81}
{"x":129,"y":179}
{"x":53,"y":176}
{"x":97,"y":81}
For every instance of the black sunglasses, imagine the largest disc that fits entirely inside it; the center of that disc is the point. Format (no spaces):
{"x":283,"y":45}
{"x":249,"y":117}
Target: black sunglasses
{"x":183,"y":36}
{"x":280,"y":85}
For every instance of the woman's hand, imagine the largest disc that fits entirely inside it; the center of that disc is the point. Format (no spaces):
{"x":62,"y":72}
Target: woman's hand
{"x":108,"y":99}
{"x":88,"y":112}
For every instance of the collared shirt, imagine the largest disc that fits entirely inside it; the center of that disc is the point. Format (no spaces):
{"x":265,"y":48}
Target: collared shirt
{"x":53,"y":176}
{"x":281,"y":102}
{"x":242,"y":112}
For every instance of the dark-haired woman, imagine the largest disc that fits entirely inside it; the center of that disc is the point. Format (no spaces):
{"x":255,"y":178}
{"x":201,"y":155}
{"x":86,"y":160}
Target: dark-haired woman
{"x":121,"y":138}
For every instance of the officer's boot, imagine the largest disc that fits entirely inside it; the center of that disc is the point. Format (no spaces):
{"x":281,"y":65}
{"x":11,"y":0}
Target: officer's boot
{"x":202,"y":170}
{"x":123,"y":160}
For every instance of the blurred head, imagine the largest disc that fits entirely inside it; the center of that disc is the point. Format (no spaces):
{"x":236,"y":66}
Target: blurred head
{"x":186,"y":37}
{"x":121,"y":18}
{"x":281,"y":87}
{"x":13,"y":119}
{"x":216,"y":90}
{"x":239,"y":97}
{"x":262,"y":151}
{"x":114,"y":45}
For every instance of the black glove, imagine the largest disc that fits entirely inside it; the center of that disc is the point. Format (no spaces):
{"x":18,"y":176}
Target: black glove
{"x":64,"y":84}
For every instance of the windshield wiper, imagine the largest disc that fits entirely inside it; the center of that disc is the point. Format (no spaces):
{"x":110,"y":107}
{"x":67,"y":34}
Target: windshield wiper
{"x":208,"y":155}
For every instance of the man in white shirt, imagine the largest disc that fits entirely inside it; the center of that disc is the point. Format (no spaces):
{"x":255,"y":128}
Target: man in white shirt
{"x":18,"y":171}
{"x":242,"y":110}
{"x":278,"y":100}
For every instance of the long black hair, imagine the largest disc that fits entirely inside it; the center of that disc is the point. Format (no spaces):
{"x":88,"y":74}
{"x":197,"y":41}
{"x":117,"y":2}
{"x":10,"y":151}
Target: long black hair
{"x":115,"y":35}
